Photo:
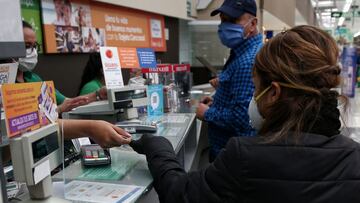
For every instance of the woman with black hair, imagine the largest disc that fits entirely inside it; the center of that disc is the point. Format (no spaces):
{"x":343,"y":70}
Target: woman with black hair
{"x":93,"y":77}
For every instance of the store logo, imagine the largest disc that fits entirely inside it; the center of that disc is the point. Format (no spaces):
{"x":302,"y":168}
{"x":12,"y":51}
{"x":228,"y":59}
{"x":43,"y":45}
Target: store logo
{"x":109,"y":53}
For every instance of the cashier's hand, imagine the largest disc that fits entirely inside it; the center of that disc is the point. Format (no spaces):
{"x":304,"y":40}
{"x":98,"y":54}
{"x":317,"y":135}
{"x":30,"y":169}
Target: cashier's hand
{"x":108,"y":135}
{"x":103,"y":93}
{"x":214,"y":82}
{"x":70,"y":103}
{"x":200,"y":111}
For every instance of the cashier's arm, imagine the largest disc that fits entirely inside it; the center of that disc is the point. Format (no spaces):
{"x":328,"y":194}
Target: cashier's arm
{"x":102,"y":132}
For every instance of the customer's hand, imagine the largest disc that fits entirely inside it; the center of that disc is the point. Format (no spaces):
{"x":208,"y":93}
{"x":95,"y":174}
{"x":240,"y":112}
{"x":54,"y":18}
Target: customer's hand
{"x":70,"y":103}
{"x":200,"y":111}
{"x":214,"y":82}
{"x":138,"y":145}
{"x":107,"y":135}
{"x":207,"y":100}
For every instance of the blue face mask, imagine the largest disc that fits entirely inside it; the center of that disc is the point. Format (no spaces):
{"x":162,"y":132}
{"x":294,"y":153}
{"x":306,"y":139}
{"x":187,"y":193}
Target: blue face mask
{"x":231,"y":34}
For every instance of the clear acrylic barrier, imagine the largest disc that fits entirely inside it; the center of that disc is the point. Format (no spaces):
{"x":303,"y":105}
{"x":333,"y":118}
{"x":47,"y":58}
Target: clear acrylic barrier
{"x":128,"y":177}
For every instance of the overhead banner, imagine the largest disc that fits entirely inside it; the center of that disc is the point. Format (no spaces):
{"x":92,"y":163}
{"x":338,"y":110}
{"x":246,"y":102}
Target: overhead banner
{"x":85,"y":26}
{"x":28,"y":106}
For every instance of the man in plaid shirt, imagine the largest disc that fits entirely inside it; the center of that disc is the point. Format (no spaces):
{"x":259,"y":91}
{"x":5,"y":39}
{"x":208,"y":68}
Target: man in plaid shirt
{"x":227,"y":111}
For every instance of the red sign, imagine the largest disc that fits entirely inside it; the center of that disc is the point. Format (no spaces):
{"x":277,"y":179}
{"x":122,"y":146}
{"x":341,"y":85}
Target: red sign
{"x":161,"y":68}
{"x":181,"y":68}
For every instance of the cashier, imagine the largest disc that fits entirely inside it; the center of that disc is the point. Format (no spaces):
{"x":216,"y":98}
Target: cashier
{"x":25,"y":74}
{"x":299,"y":154}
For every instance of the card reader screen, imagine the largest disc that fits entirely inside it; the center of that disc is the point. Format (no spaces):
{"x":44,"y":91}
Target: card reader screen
{"x":131,"y":94}
{"x":41,"y":148}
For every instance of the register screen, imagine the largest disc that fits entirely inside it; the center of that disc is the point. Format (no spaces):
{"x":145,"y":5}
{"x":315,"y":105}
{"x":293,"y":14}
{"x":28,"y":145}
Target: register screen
{"x":41,"y":148}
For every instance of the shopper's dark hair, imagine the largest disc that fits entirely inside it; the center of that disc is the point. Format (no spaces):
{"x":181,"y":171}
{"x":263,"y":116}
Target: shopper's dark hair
{"x":93,"y":69}
{"x":26,"y":25}
{"x":304,"y":57}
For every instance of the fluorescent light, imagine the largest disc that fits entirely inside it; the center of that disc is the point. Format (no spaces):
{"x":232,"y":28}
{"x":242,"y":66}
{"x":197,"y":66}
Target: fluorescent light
{"x":357,"y":34}
{"x":313,"y":2}
{"x":347,"y":6}
{"x":325,"y":3}
{"x":341,"y":21}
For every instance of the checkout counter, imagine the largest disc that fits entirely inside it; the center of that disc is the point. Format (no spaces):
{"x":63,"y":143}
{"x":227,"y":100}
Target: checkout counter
{"x":182,"y":129}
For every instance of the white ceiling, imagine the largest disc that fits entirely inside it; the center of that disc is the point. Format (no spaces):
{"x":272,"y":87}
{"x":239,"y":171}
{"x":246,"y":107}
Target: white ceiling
{"x":271,"y":22}
{"x":325,"y":7}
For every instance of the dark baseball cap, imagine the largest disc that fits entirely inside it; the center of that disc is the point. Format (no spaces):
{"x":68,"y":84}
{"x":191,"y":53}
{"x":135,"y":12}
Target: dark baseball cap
{"x":236,"y":8}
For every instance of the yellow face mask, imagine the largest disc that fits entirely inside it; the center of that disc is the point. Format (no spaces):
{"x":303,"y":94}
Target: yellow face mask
{"x":281,"y":84}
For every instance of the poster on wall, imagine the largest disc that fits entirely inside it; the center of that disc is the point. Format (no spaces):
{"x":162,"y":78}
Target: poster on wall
{"x":85,"y":26}
{"x":30,"y":12}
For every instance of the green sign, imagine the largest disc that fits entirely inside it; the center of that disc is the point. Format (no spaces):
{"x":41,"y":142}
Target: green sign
{"x":30,"y":12}
{"x":336,"y":14}
{"x":345,"y":15}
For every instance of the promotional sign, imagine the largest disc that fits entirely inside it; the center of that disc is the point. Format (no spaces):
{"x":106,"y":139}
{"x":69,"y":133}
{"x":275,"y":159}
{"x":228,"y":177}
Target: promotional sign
{"x":147,"y":57}
{"x":128,"y":58}
{"x":181,"y":68}
{"x":160,"y":68}
{"x":111,"y":67}
{"x":30,"y":12}
{"x":28,"y":106}
{"x":156,"y":103}
{"x":349,"y":71}
{"x":167,"y":68}
{"x":84,"y":26}
{"x":8,"y":73}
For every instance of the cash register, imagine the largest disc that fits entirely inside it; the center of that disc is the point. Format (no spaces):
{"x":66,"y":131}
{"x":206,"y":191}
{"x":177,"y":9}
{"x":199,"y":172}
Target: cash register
{"x":121,"y":105}
{"x":34,"y":155}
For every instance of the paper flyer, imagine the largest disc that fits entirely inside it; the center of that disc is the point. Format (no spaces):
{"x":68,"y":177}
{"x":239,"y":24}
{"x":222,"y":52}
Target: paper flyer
{"x":83,"y":191}
{"x":28,"y":106}
{"x":8,"y":72}
{"x":111,"y":67}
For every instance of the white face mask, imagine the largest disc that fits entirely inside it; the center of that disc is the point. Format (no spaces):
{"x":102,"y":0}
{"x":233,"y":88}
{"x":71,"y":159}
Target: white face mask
{"x":256,"y":120}
{"x":29,"y":62}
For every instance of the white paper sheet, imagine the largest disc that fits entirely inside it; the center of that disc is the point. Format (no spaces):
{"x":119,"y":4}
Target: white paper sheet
{"x":84,"y":191}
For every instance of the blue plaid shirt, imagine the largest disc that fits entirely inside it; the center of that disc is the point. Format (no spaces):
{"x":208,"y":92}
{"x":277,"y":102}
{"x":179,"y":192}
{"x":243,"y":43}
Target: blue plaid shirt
{"x":228,"y":115}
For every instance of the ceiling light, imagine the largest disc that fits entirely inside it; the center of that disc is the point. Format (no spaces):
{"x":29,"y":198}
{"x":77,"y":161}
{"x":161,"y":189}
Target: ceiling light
{"x":325,"y":3}
{"x":313,"y":2}
{"x":347,"y":6}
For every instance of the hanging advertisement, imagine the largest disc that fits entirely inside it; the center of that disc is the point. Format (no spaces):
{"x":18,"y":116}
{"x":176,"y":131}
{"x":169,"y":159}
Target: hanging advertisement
{"x":84,"y":26}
